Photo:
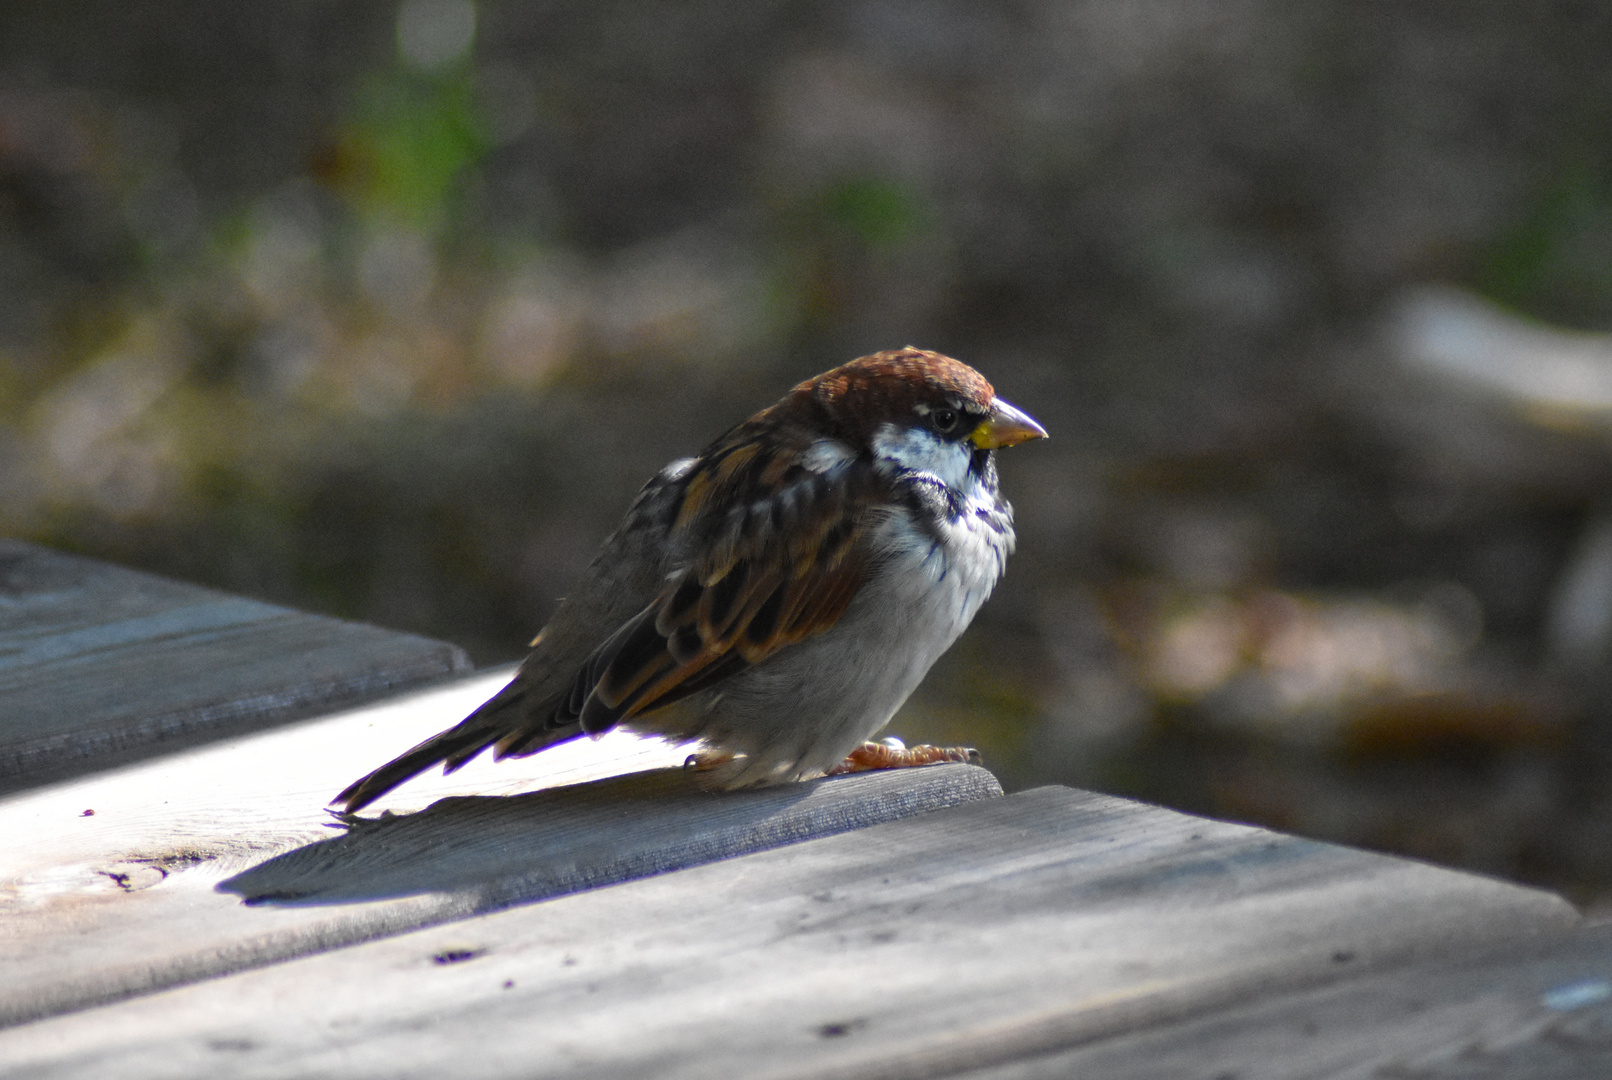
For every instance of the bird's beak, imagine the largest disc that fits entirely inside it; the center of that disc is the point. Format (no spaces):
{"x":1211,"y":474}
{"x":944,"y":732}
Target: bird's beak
{"x":1005,"y":426}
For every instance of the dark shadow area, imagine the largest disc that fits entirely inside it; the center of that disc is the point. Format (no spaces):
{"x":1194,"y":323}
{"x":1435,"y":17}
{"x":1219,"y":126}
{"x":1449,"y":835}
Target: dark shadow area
{"x":497,"y":851}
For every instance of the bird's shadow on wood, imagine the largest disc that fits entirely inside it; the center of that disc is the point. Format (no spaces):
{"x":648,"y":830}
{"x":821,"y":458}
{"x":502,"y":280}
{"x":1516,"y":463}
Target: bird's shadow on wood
{"x":480,"y":853}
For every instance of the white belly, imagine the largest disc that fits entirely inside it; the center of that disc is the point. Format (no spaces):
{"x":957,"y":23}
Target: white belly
{"x":801,"y":711}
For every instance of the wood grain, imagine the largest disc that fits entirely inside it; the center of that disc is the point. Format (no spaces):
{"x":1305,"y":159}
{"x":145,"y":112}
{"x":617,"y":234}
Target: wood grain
{"x":100,"y":666}
{"x":148,"y":891}
{"x":1532,"y":1014}
{"x":984,"y":934}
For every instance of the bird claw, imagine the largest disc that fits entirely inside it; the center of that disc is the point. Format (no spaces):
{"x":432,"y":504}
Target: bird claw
{"x":706,"y":760}
{"x":890,"y":754}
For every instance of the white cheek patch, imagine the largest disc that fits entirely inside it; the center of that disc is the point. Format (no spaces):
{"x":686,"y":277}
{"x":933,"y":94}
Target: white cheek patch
{"x":917,"y":450}
{"x":826,"y":454}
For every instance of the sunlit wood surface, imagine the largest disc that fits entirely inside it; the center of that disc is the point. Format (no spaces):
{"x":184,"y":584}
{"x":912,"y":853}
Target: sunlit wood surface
{"x":586,"y":912}
{"x":99,"y":665}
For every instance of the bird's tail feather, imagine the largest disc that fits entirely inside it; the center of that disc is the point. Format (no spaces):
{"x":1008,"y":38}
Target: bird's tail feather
{"x":454,"y":747}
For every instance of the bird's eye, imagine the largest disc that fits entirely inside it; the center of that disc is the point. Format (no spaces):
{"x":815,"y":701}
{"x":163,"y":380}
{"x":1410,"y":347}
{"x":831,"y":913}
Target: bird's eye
{"x":944,"y":420}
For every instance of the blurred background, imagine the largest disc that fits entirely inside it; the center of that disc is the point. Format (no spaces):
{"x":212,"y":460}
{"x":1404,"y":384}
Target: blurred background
{"x":385,"y":310}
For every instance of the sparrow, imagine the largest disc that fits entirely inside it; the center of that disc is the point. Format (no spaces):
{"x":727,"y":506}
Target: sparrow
{"x":778,"y":596}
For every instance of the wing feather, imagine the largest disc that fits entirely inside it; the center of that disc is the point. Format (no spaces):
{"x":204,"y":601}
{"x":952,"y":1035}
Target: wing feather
{"x":769,"y":571}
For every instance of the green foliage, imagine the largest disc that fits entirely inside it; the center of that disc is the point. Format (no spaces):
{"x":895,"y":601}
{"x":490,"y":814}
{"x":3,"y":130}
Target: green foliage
{"x":880,"y":212}
{"x":1556,"y":263}
{"x":411,"y":142}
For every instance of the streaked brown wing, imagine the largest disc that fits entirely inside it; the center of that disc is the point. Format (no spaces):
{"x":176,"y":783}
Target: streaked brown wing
{"x":776,"y":568}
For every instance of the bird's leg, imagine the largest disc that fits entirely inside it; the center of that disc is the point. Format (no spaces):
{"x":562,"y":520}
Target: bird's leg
{"x":706,"y":760}
{"x":891,"y":754}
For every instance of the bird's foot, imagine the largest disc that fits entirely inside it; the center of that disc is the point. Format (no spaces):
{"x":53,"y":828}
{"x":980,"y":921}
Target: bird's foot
{"x":891,"y":754}
{"x":706,"y":760}
{"x":723,"y":770}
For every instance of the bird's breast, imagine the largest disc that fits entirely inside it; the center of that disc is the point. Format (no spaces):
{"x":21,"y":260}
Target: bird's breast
{"x":934,"y":575}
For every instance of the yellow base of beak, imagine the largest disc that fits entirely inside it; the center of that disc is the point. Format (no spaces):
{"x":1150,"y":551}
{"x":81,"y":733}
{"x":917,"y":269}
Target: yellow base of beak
{"x":1005,"y":426}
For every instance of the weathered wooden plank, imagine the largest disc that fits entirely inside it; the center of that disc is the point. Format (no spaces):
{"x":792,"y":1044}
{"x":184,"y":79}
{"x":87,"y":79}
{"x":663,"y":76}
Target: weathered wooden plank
{"x":1539,"y":1013}
{"x":147,"y":892}
{"x":101,"y":665}
{"x":981,"y":934}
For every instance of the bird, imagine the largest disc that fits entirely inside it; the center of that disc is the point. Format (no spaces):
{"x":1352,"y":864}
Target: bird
{"x":779,"y":595}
